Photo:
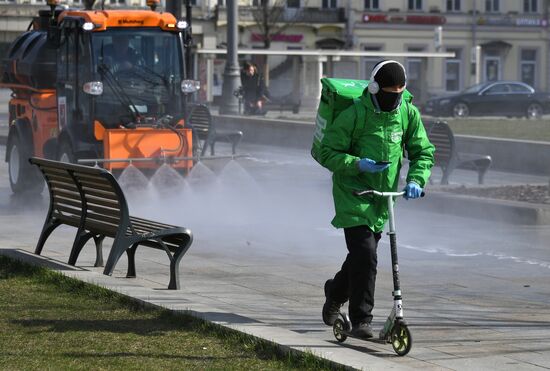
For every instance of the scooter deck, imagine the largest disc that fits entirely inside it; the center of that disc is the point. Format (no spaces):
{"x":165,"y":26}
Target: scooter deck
{"x":373,"y":339}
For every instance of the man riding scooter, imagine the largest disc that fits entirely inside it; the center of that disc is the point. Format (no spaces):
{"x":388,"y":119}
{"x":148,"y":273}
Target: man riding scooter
{"x":363,"y":148}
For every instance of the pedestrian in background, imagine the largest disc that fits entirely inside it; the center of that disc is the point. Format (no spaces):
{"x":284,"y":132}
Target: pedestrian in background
{"x":254,"y":90}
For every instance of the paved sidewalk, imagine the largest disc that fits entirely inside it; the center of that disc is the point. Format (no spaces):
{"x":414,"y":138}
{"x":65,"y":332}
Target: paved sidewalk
{"x":262,"y":273}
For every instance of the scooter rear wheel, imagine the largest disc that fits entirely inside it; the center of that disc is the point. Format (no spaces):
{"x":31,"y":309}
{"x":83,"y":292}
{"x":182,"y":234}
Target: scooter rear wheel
{"x":338,"y":329}
{"x":401,"y":339}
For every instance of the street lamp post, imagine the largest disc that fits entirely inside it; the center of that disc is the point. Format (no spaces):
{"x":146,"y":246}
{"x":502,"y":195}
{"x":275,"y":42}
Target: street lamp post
{"x":231,"y":76}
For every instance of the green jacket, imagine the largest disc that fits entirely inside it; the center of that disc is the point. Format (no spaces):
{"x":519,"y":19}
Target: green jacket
{"x":379,"y":138}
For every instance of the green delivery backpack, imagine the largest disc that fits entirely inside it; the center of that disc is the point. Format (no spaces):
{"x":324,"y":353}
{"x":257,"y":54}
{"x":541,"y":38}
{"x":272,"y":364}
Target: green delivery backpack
{"x":336,"y":96}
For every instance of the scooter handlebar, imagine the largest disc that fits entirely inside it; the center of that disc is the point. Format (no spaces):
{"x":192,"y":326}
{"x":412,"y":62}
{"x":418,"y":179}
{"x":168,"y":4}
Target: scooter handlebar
{"x":382,"y":194}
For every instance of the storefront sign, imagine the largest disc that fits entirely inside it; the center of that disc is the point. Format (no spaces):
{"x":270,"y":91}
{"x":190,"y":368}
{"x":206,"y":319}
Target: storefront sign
{"x":512,"y":21}
{"x":256,"y":37}
{"x":375,"y":18}
{"x":411,"y":19}
{"x":531,"y":22}
{"x":426,"y":19}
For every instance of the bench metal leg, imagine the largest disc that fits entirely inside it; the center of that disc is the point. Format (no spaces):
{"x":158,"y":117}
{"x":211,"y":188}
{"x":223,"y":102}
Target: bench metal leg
{"x":131,"y":252}
{"x":204,"y":147}
{"x":80,"y":241}
{"x":446,"y":174}
{"x":98,"y":250}
{"x":212,"y":150}
{"x":120,"y":245}
{"x":235,"y":140}
{"x":482,"y":166}
{"x":481,"y":175}
{"x":174,"y":283}
{"x":48,"y":228}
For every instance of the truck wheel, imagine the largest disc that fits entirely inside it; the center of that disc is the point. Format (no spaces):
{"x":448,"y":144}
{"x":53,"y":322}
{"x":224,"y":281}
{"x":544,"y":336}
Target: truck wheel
{"x":24,"y":178}
{"x":65,"y":153}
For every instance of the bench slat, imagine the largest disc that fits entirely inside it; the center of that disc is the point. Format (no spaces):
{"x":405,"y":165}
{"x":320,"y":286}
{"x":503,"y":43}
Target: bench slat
{"x":68,"y":202}
{"x":101,"y":218}
{"x":53,"y":171}
{"x":71,"y":194}
{"x":72,"y":220}
{"x":93,"y":200}
{"x":101,"y":184}
{"x":99,"y":193}
{"x":107,"y":211}
{"x":140,"y":221}
{"x":68,"y":211}
{"x":109,"y":230}
{"x":65,"y":178}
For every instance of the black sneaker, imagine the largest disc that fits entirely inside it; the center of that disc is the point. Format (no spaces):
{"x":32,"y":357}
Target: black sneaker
{"x":331,"y":308}
{"x":362,"y":330}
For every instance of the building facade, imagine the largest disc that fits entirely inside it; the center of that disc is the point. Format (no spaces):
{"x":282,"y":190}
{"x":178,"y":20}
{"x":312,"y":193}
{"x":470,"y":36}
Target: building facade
{"x":511,"y":38}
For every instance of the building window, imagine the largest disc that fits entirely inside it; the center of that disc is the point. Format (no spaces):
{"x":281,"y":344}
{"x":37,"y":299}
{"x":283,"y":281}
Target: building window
{"x":329,"y":4}
{"x":453,"y":5}
{"x":452,"y":71}
{"x":415,"y":4}
{"x":492,"y":6}
{"x":530,"y":6}
{"x":221,"y":3}
{"x":372,"y":4}
{"x":528,"y":66}
{"x":292,"y":3}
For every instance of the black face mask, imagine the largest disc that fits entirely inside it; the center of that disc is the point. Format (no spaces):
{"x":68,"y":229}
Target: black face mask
{"x":388,"y":101}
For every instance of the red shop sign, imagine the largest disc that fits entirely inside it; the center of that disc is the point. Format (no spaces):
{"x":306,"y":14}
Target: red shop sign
{"x":426,"y":19}
{"x":256,"y":37}
{"x":375,"y":18}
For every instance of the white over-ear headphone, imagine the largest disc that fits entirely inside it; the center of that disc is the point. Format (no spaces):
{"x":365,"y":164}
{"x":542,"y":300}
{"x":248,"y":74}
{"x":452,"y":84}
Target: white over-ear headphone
{"x":373,"y":86}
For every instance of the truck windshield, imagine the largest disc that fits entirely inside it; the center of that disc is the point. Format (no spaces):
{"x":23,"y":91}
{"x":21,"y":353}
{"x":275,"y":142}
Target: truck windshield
{"x":145,"y":66}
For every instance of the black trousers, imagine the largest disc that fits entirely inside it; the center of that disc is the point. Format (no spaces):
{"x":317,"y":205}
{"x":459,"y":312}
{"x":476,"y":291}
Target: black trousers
{"x":356,"y":279}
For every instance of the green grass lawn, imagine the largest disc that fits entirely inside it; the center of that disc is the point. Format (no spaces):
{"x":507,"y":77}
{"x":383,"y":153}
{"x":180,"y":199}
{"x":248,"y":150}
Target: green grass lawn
{"x":538,"y":130}
{"x":48,"y":321}
{"x":510,"y":128}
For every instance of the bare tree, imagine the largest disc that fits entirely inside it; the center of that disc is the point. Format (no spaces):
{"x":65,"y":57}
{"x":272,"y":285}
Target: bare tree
{"x":272,"y":18}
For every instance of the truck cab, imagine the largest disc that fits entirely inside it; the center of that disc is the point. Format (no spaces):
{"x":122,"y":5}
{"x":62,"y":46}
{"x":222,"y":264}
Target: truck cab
{"x":104,"y":86}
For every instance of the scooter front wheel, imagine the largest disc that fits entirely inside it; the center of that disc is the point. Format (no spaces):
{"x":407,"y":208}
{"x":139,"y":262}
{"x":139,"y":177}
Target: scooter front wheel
{"x":339,"y":329}
{"x":401,"y":339}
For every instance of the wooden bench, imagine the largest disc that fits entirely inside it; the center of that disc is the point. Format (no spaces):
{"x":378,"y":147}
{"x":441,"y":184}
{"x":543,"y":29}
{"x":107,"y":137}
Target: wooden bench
{"x":204,"y":128}
{"x":448,"y":158}
{"x":91,"y":200}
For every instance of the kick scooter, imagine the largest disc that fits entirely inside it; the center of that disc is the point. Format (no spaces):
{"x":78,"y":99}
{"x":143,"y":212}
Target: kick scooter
{"x":395,"y":330}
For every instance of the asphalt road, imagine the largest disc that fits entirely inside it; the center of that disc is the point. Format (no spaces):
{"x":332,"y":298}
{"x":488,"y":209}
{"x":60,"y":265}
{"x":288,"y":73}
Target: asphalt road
{"x":475,"y":292}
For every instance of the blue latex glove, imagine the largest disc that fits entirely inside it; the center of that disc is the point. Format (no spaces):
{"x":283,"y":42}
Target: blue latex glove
{"x":370,"y":166}
{"x":412,"y":191}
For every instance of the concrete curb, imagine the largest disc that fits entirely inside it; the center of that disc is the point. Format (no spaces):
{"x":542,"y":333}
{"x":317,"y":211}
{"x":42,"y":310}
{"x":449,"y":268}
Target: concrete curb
{"x":513,"y":212}
{"x":286,"y":340}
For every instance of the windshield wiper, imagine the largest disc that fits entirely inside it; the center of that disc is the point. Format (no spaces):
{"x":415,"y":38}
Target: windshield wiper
{"x":118,"y":91}
{"x":152,"y":72}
